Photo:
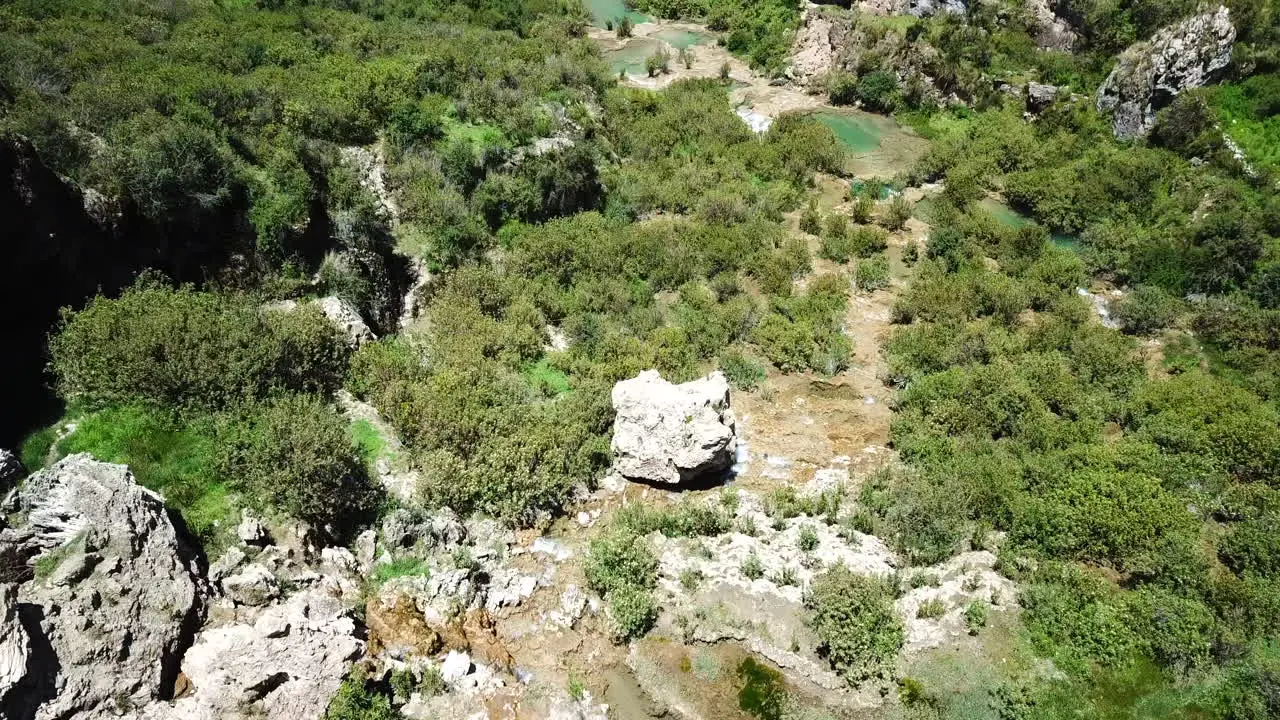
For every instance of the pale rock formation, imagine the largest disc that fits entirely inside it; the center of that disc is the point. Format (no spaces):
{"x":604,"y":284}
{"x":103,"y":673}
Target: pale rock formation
{"x":10,"y":469}
{"x":1150,"y":74}
{"x":340,"y":312}
{"x":251,"y":531}
{"x":813,"y":54}
{"x":347,"y":318}
{"x":254,"y":586}
{"x":1040,"y":97}
{"x":1051,"y":31}
{"x":672,"y":434}
{"x":119,"y":607}
{"x":15,"y":645}
{"x":285,"y":666}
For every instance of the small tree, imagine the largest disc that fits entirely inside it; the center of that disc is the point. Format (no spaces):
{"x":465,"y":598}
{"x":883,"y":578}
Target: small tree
{"x":623,"y":27}
{"x":725,"y":69}
{"x":659,"y":61}
{"x":294,"y":454}
{"x":686,"y":58}
{"x":855,"y":622}
{"x":899,"y":213}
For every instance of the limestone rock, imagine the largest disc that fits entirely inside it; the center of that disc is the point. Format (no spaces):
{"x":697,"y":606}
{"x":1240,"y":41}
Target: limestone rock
{"x":1040,"y":97}
{"x":1051,"y":31}
{"x":117,"y":611}
{"x":15,"y":645}
{"x":672,"y":434}
{"x":340,"y":312}
{"x":347,"y":318}
{"x":254,"y":586}
{"x":286,"y":666}
{"x":456,"y":666}
{"x":251,"y":531}
{"x":10,"y":469}
{"x":1150,"y":74}
{"x":813,"y":54}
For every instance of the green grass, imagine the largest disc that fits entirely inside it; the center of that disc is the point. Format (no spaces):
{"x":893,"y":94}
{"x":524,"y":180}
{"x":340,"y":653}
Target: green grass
{"x":36,"y":446}
{"x":47,"y":563}
{"x":402,"y":567}
{"x":1245,"y":111}
{"x":547,"y":378}
{"x":177,"y":462}
{"x":372,"y":445}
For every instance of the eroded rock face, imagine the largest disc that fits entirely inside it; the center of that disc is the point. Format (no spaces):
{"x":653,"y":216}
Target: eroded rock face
{"x":10,"y":470}
{"x":285,"y":666}
{"x":116,"y":602}
{"x":1150,"y":74}
{"x":15,"y":645}
{"x":672,"y":434}
{"x":1051,"y":31}
{"x":340,"y":312}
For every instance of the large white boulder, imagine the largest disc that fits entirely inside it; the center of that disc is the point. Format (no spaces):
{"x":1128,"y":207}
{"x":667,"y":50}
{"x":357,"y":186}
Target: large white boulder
{"x":665,"y":433}
{"x":1150,"y":74}
{"x":285,"y":666}
{"x":115,"y":599}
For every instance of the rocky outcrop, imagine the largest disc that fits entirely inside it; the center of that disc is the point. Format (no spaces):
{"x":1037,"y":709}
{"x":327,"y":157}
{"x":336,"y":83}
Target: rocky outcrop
{"x":672,"y":434}
{"x":918,"y":8}
{"x":1149,"y":75}
{"x":15,"y":645}
{"x":116,"y":599}
{"x":340,"y":312}
{"x":813,"y":53}
{"x":1051,"y":32}
{"x":284,"y":666}
{"x":10,"y":470}
{"x":1040,"y":97}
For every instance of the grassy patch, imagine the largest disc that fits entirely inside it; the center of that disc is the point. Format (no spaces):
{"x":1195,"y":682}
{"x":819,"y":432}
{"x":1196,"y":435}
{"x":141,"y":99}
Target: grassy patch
{"x":36,"y":446}
{"x":547,"y":378}
{"x":177,"y":462}
{"x":401,"y":567}
{"x":372,"y":445}
{"x":47,"y":563}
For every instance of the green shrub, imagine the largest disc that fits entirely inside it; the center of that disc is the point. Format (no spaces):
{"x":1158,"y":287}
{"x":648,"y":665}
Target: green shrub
{"x":854,"y":619}
{"x":752,"y":568}
{"x":619,"y":559}
{"x":811,"y":219}
{"x":869,"y":240}
{"x":1076,"y":617}
{"x":842,"y":87}
{"x":355,"y":700}
{"x":632,"y":611}
{"x":864,"y":207}
{"x":1145,"y":310}
{"x":975,"y":616}
{"x":931,"y":609}
{"x":742,"y":372}
{"x":686,"y":519}
{"x":295,"y":455}
{"x":899,"y":212}
{"x":873,"y":274}
{"x":878,"y":91}
{"x":808,"y":539}
{"x":182,"y":348}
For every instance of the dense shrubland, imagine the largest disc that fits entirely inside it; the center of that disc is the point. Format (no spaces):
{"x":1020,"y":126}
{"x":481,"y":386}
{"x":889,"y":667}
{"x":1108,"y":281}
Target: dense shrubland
{"x":1130,"y":498}
{"x":681,"y":264}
